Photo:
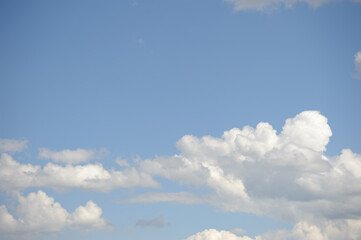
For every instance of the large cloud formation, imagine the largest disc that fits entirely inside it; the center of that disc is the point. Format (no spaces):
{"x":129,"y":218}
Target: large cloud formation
{"x":286,"y":176}
{"x":38,"y":214}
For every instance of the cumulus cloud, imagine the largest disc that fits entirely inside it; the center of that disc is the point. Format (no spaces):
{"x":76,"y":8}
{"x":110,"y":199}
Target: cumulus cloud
{"x":358,"y":64}
{"x":157,"y":222}
{"x":284,"y":175}
{"x":15,"y":175}
{"x":39,"y":214}
{"x":68,"y":156}
{"x":12,"y":145}
{"x":261,"y":5}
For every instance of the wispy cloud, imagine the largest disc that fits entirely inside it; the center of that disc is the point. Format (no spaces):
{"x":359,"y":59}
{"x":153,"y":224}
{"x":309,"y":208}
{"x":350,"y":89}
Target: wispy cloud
{"x":178,"y":197}
{"x":157,"y":222}
{"x":358,"y":65}
{"x":140,"y":41}
{"x":12,"y":145}
{"x":68,"y":156}
{"x":264,"y":5}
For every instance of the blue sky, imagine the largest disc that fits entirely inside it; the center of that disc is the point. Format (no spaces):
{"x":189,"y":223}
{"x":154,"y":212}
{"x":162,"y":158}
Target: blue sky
{"x":109,"y":102}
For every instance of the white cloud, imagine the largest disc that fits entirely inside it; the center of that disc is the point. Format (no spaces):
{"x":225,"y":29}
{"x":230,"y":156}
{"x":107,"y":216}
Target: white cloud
{"x":285,"y":176}
{"x":14,"y":175}
{"x":68,"y":156}
{"x":39,"y":214}
{"x":11,"y":145}
{"x":358,"y":64}
{"x":261,"y":5}
{"x":324,"y":230}
{"x":88,"y":217}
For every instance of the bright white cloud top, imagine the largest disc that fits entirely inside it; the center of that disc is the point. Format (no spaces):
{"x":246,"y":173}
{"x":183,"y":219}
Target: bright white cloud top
{"x":285,"y":176}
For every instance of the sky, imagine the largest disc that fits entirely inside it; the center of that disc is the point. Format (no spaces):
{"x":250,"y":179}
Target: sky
{"x":180,"y":120}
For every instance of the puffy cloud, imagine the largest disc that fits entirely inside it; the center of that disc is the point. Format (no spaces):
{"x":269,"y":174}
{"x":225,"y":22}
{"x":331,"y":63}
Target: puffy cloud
{"x":11,"y":145}
{"x":68,"y":156}
{"x":15,"y":175}
{"x":261,"y":5}
{"x":358,"y":63}
{"x":38,"y":214}
{"x":88,"y":217}
{"x":212,"y":234}
{"x":286,"y":176}
{"x":308,"y":130}
{"x":155,"y":222}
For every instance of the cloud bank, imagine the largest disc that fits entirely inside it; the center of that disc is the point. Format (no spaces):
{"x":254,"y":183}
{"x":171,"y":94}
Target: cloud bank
{"x":16,"y":176}
{"x":286,"y":176}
